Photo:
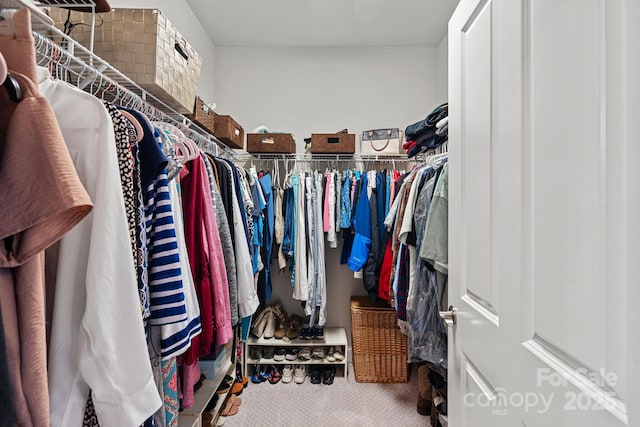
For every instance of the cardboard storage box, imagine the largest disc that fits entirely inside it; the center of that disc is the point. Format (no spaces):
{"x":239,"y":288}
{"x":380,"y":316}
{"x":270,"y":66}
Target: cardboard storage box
{"x":228,"y":131}
{"x":333,"y":143}
{"x":147,"y":48}
{"x":281,"y":143}
{"x":203,"y":115}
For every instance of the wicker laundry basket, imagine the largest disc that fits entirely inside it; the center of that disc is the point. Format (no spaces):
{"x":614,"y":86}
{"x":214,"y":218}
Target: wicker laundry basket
{"x":379,"y":348}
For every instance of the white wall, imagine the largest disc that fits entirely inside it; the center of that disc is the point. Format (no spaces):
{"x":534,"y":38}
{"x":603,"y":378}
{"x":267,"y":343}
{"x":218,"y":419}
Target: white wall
{"x":442,"y":61}
{"x":183,"y":18}
{"x":304,"y":90}
{"x":325,"y":89}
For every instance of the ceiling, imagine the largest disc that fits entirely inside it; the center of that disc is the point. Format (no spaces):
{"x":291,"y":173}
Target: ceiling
{"x":324,"y":23}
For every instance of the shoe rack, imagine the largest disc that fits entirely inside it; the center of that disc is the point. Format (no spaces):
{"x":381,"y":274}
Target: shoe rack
{"x":333,"y":337}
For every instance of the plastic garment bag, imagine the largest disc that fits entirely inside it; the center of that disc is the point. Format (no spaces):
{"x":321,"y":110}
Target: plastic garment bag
{"x":427,"y":339}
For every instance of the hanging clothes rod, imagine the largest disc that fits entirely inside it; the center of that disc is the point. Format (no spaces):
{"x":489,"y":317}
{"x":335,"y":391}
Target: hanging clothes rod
{"x":73,"y":63}
{"x":323,"y":157}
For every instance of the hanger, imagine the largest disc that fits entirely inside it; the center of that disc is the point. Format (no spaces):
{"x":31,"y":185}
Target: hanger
{"x":136,"y":124}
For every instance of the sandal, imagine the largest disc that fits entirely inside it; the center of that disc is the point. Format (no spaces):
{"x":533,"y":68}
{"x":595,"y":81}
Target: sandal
{"x":229,"y":407}
{"x":275,"y":376}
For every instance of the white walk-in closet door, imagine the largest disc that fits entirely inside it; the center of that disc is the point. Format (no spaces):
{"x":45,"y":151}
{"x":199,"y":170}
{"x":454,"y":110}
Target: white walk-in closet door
{"x":544,"y":211}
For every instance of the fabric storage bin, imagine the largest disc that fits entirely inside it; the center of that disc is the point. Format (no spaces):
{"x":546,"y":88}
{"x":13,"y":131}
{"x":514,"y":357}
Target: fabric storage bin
{"x":333,"y":143}
{"x":281,"y":143}
{"x":147,"y":48}
{"x":203,"y":115}
{"x":379,"y":348}
{"x":228,"y":131}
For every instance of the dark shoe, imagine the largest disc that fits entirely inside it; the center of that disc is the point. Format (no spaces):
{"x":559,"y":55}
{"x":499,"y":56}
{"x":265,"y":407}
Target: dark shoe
{"x":279,"y":354}
{"x":306,"y":333}
{"x":318,"y":333}
{"x":316,"y":375}
{"x":328,"y":374}
{"x":292,"y":354}
{"x":224,"y":388}
{"x":267,"y":353}
{"x":256,"y":353}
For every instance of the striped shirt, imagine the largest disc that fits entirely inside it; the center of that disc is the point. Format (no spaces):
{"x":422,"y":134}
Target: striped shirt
{"x":167,"y":302}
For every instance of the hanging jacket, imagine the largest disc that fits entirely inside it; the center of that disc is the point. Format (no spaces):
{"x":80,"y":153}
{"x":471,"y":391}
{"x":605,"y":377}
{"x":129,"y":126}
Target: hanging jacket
{"x":370,"y":278}
{"x":362,"y":226}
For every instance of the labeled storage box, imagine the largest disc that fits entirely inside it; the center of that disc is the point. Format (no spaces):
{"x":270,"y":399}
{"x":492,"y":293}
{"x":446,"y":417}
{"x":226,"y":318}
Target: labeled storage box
{"x":379,"y":348}
{"x":333,"y":143}
{"x":147,"y":48}
{"x":203,"y":115}
{"x":228,"y":131}
{"x":281,"y":143}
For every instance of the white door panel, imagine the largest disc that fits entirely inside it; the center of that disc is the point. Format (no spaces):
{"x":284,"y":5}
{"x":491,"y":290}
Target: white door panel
{"x":542,"y":193}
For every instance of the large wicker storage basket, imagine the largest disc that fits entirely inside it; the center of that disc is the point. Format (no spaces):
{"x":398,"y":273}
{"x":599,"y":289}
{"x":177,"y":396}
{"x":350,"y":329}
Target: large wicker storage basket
{"x":379,"y":348}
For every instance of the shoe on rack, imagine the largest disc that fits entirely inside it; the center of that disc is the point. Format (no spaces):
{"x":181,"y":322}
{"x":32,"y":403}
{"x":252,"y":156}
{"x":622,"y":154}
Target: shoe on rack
{"x":287,"y":374}
{"x":256,"y":353}
{"x":319,"y":353}
{"x":299,"y":374}
{"x":330,"y":357}
{"x":279,"y":354}
{"x":295,"y":324}
{"x":318,"y":332}
{"x":267,"y":353}
{"x":292,"y":354}
{"x":328,"y":374}
{"x":304,"y":353}
{"x":270,"y":328}
{"x":260,"y":322}
{"x":305,"y":333}
{"x":316,"y":375}
{"x":338,"y":354}
{"x":282,"y":321}
{"x":275,"y":375}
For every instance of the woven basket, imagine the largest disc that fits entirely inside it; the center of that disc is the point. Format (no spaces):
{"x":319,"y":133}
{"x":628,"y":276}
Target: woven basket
{"x":379,"y":348}
{"x":147,"y":48}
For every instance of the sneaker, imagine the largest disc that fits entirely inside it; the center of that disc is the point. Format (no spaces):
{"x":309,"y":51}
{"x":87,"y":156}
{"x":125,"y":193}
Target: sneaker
{"x":292,"y":353}
{"x":316,"y":375}
{"x":328,"y":374}
{"x":338,"y":354}
{"x":279,"y":354}
{"x":306,"y":333}
{"x":287,"y":374}
{"x":304,"y":354}
{"x":267,"y":353}
{"x":318,"y":333}
{"x":330,"y":357}
{"x":319,"y":353}
{"x":299,"y":374}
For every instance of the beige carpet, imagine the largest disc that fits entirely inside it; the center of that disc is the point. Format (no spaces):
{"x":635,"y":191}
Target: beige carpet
{"x":340,"y":404}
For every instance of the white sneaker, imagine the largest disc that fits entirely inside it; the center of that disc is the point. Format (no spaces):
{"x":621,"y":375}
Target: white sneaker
{"x":300,"y":374}
{"x":330,"y":357}
{"x":339,"y":354}
{"x":287,"y":374}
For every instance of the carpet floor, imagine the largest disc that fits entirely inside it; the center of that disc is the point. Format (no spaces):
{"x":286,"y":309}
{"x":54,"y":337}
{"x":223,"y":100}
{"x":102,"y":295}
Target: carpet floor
{"x":344,"y":403}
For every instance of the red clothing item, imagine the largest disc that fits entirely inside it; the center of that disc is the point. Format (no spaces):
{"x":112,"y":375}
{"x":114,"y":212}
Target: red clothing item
{"x":384,"y":286}
{"x":194,"y":235}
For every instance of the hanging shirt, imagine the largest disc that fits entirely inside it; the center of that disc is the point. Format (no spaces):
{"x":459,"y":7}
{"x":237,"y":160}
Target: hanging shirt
{"x":32,"y":141}
{"x":362,"y":226}
{"x":96,"y":300}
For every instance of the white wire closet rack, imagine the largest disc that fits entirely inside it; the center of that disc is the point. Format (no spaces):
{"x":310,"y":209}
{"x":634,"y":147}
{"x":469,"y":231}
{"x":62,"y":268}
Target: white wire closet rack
{"x":70,"y":61}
